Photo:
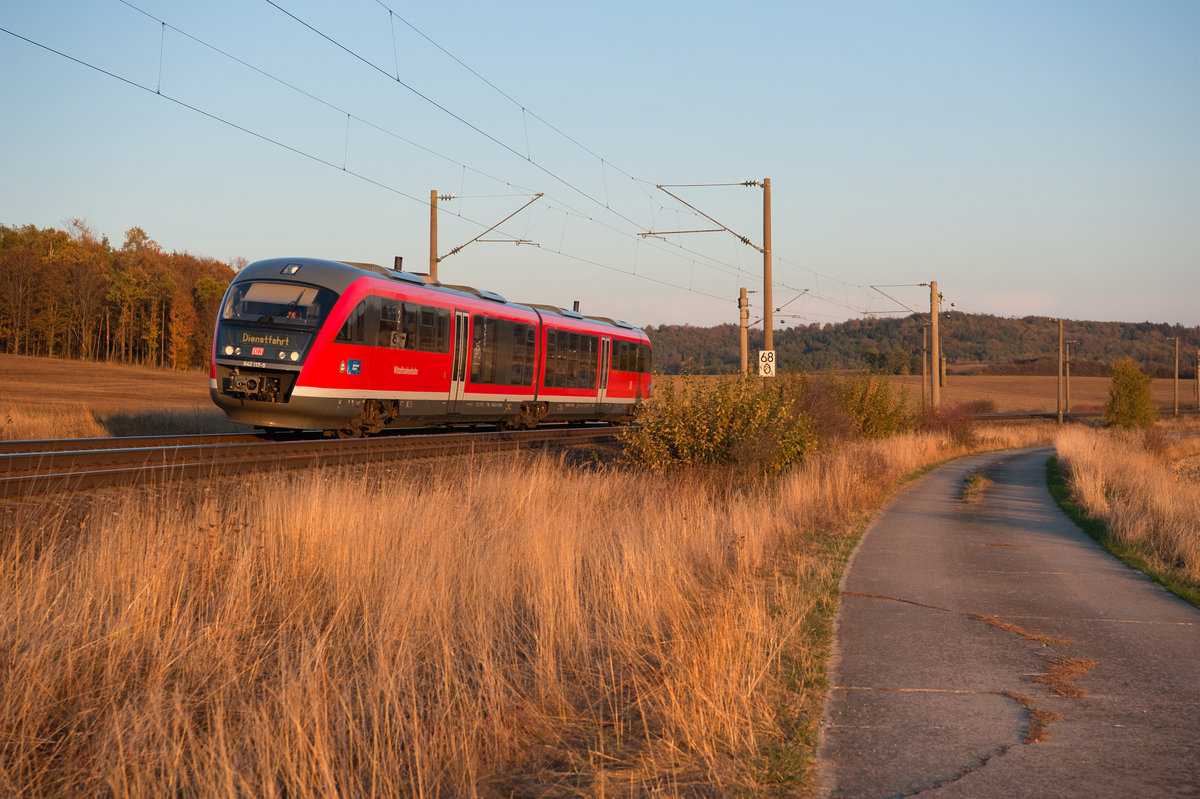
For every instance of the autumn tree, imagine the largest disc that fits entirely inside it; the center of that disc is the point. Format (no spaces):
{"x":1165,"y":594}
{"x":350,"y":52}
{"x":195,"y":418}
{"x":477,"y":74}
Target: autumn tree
{"x":69,"y":294}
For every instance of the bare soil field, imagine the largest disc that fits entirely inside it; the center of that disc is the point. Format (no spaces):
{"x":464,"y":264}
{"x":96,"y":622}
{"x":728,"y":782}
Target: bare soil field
{"x":1024,"y":393}
{"x":99,"y":387}
{"x":50,"y":398}
{"x":1030,"y":393}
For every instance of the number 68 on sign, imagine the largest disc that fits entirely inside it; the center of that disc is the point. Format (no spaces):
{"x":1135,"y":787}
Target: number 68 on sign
{"x":766,"y":363}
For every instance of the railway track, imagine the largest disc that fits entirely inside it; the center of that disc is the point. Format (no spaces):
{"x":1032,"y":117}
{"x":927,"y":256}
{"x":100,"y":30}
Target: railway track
{"x":54,"y":466}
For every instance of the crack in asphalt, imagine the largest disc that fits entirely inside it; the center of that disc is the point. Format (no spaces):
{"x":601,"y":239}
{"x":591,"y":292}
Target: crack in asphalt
{"x":1039,"y":719}
{"x":994,"y":621}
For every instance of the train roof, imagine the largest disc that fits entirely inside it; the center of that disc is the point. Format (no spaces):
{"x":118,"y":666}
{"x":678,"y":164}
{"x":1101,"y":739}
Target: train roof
{"x":339,"y":275}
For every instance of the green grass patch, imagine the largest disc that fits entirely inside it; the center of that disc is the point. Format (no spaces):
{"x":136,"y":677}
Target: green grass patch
{"x":790,"y":764}
{"x":975,"y":484}
{"x":1183,"y":587}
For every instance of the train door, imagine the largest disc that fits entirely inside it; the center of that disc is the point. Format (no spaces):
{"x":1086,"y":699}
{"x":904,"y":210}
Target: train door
{"x":605,"y":368}
{"x":458,"y":362}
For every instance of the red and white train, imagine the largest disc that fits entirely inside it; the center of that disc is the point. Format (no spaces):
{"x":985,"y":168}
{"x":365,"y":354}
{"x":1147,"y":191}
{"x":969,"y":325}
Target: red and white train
{"x":307,"y":344}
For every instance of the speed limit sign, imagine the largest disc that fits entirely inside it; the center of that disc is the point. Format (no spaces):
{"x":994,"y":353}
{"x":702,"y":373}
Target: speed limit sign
{"x":766,"y":363}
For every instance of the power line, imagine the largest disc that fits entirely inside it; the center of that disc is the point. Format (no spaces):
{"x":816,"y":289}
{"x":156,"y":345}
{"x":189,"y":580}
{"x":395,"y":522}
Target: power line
{"x":603,"y":161}
{"x":546,"y":170}
{"x":723,"y":267}
{"x":707,"y":262}
{"x":507,"y":96}
{"x":550,"y":173}
{"x":393,"y":134}
{"x":262,"y":137}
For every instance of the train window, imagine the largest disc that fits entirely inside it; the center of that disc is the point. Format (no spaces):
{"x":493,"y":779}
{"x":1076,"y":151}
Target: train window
{"x":524,"y":359}
{"x":391,"y":330}
{"x":428,"y":337}
{"x":441,"y":342}
{"x":502,"y":352}
{"x":623,"y":357}
{"x":630,"y":356}
{"x":288,"y":304}
{"x":483,"y":349}
{"x":354,"y":329}
{"x":570,"y":359}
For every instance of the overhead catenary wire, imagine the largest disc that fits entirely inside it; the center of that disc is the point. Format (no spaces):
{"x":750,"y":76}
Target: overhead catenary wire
{"x":535,"y":163}
{"x":715,"y":263}
{"x":700,"y":259}
{"x":712,"y":262}
{"x":317,"y":159}
{"x":641,"y":182}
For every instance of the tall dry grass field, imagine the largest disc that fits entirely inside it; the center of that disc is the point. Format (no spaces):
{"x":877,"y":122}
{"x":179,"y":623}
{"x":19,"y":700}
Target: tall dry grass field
{"x":1125,"y":480}
{"x":514,"y":626}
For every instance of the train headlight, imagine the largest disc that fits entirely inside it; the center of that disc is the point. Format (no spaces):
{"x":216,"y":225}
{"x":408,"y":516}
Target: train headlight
{"x":229,"y":349}
{"x":281,"y":355}
{"x":295,"y":357}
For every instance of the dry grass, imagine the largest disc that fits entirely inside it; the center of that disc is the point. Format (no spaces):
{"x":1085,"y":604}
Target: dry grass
{"x":509,"y":627}
{"x":1062,"y":673}
{"x":25,"y":423}
{"x":514,"y":626}
{"x":1125,"y":481}
{"x":1016,"y":629}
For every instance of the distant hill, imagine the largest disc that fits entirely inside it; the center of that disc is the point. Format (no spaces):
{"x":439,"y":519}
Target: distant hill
{"x":976,"y":343}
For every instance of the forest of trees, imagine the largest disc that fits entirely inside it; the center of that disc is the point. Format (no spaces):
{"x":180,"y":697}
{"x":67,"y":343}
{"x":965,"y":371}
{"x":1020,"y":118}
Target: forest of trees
{"x":68,"y":294}
{"x":971,"y":342}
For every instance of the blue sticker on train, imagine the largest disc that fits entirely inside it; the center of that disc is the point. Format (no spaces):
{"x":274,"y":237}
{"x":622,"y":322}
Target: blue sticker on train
{"x":354,"y":367}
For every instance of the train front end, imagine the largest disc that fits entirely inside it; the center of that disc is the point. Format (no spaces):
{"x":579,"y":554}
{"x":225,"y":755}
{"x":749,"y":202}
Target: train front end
{"x":270,"y":320}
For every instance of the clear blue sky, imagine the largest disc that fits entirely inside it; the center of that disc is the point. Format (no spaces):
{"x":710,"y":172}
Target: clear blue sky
{"x":1032,"y":157}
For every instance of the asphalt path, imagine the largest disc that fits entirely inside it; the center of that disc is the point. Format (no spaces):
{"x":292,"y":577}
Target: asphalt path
{"x":991,"y":649}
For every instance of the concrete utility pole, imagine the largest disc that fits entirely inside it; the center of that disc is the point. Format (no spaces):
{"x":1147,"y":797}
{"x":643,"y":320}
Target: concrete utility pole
{"x":768,"y":302}
{"x":1067,"y":384}
{"x":1059,"y":398}
{"x":433,"y":256}
{"x":1177,"y":375}
{"x":743,"y":319}
{"x":935,"y":388}
{"x":924,"y":366}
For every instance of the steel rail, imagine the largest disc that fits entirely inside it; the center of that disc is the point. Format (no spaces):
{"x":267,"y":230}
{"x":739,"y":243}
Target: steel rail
{"x":119,"y":442}
{"x":54,"y":471}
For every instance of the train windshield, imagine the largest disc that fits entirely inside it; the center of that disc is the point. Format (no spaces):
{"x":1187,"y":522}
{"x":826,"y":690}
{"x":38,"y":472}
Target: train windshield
{"x":284,"y":304}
